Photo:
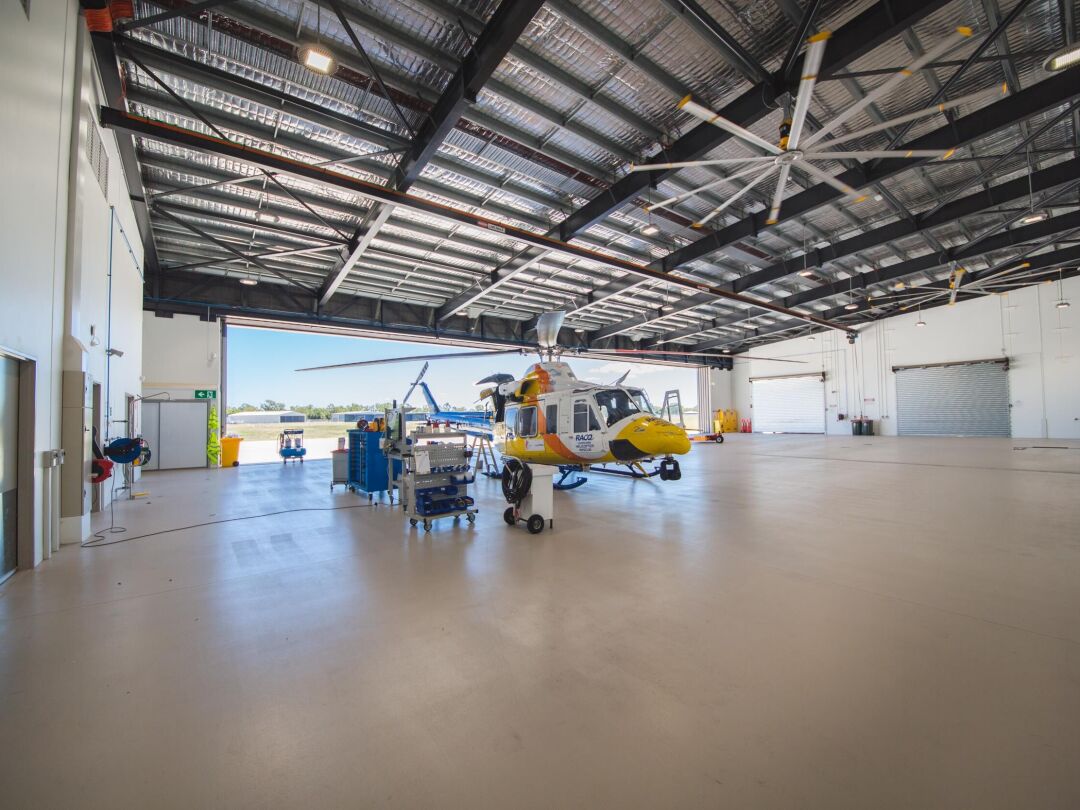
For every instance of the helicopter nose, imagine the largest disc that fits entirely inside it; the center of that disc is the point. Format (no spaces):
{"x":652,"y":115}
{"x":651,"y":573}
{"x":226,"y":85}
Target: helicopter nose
{"x":657,"y":437}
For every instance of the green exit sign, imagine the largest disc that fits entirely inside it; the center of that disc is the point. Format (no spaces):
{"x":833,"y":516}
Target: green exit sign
{"x":205,"y":393}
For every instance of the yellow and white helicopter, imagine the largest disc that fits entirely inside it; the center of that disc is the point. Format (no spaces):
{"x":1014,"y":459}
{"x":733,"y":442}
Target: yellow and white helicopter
{"x":549,"y":416}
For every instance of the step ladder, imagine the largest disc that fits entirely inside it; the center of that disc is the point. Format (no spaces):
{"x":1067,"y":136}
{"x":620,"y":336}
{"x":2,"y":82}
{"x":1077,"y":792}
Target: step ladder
{"x":672,"y":410}
{"x":483,"y":457}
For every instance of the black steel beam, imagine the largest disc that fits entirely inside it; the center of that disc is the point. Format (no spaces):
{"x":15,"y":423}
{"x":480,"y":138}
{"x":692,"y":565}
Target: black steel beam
{"x":987,"y":198}
{"x":192,"y":10}
{"x":109,"y":70}
{"x":987,"y":41}
{"x":730,"y":48}
{"x":1036,"y":98}
{"x":861,"y":35}
{"x":1052,"y":92}
{"x":787,"y":67}
{"x":1050,"y":262}
{"x":495,"y":41}
{"x":117,"y":119}
{"x":1005,"y":239}
{"x":194,"y":71}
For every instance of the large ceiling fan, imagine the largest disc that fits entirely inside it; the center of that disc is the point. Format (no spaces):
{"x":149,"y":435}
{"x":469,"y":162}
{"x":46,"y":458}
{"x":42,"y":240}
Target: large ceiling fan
{"x":797,"y":149}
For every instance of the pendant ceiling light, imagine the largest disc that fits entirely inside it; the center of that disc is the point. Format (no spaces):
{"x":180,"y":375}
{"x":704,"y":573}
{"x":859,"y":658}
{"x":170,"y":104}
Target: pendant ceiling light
{"x":315,"y":56}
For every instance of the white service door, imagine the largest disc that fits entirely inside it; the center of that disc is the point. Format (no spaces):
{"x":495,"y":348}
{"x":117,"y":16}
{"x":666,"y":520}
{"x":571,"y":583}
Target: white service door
{"x":788,"y":405}
{"x":181,"y":434}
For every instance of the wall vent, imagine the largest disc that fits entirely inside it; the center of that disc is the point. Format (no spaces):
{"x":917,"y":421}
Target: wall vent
{"x":96,"y":154}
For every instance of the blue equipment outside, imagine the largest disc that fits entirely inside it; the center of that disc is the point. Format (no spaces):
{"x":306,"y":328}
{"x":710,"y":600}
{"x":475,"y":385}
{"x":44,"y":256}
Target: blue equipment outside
{"x":291,"y":445}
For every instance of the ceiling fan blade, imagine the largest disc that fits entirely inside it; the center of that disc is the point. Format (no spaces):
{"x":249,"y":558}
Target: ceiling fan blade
{"x":707,"y":115}
{"x":948,"y":43}
{"x":825,"y":177}
{"x":870,"y":154}
{"x":954,"y":284}
{"x":815,"y":52}
{"x":385,"y":360}
{"x":778,"y":195}
{"x":678,"y":198}
{"x":971,"y":98}
{"x":734,"y":198}
{"x":689,"y":164}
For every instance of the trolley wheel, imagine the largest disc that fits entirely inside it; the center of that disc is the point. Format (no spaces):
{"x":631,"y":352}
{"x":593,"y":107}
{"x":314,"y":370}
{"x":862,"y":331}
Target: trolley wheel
{"x":471,"y":517}
{"x":535,"y":524}
{"x":427,"y":525}
{"x":412,"y":521}
{"x":719,"y":439}
{"x":508,"y":516}
{"x":301,"y":459}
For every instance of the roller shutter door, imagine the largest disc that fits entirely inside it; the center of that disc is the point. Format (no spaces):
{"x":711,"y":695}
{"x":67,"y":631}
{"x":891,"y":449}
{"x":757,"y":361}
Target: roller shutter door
{"x":789,"y":404}
{"x":954,"y":400}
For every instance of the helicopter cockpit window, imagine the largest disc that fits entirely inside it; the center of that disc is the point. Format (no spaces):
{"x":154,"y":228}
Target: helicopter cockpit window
{"x":641,"y":399}
{"x":615,"y":404}
{"x":511,"y":422}
{"x":526,"y":421}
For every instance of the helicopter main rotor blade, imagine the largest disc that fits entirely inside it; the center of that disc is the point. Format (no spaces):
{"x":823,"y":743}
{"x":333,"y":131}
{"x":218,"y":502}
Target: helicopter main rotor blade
{"x":687,"y":354}
{"x":413,"y":357}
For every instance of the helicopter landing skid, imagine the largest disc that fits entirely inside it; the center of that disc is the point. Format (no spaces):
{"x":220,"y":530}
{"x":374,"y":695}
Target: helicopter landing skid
{"x":571,"y":478}
{"x":634,"y":470}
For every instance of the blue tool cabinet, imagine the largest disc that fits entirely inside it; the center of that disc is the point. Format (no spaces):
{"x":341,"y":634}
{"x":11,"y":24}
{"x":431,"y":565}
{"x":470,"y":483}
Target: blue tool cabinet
{"x":367,"y":463}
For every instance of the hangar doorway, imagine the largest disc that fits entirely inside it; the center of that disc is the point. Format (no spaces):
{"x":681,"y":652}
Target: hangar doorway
{"x":789,"y":404}
{"x":9,"y":468}
{"x":953,"y":399}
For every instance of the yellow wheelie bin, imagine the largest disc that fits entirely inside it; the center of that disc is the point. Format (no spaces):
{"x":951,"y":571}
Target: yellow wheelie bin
{"x":230,"y":451}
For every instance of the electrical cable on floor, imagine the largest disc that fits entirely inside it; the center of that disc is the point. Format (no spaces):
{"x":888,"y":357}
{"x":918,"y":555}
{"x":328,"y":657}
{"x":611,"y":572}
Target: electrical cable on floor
{"x":99,"y":544}
{"x":113,"y":528}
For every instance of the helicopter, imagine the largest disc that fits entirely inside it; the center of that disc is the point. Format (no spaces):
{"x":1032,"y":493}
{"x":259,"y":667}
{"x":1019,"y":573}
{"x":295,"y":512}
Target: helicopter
{"x":549,"y":416}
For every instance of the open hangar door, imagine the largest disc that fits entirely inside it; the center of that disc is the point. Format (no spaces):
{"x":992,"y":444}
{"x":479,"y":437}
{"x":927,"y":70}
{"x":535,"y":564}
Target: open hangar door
{"x":789,"y":404}
{"x":953,"y":399}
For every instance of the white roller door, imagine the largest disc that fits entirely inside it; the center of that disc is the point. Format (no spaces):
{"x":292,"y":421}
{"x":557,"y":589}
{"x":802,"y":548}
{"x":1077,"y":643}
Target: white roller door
{"x":789,"y":404}
{"x":969,"y":399}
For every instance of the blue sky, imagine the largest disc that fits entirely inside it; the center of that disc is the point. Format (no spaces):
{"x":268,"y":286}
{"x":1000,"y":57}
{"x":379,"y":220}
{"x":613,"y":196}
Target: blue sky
{"x":262,"y":363}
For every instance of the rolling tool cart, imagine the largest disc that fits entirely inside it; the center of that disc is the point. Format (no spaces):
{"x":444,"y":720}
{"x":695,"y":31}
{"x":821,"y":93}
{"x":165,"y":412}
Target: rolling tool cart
{"x":435,"y":478}
{"x":368,"y":467}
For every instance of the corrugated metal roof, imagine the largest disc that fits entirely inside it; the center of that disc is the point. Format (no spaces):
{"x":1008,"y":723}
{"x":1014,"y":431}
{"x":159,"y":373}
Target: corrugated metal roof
{"x":588,"y":87}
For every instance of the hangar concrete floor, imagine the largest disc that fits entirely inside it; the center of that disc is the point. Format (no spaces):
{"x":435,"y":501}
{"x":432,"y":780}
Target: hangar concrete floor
{"x":800,"y":622}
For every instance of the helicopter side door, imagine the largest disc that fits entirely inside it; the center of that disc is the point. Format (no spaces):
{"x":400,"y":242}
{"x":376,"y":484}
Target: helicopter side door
{"x":588,"y":439}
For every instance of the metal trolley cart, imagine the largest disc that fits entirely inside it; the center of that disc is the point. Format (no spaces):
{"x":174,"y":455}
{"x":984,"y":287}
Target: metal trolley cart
{"x":435,"y":478}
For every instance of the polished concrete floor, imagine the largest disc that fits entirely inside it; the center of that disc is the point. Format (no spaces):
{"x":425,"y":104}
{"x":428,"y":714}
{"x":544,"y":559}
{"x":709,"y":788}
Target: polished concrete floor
{"x":798,"y":623}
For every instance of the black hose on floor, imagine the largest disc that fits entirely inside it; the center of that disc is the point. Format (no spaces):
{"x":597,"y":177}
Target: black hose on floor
{"x":99,"y":543}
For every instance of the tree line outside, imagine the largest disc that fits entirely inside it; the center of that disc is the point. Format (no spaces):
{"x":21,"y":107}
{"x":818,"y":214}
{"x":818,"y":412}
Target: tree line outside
{"x":321,"y":412}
